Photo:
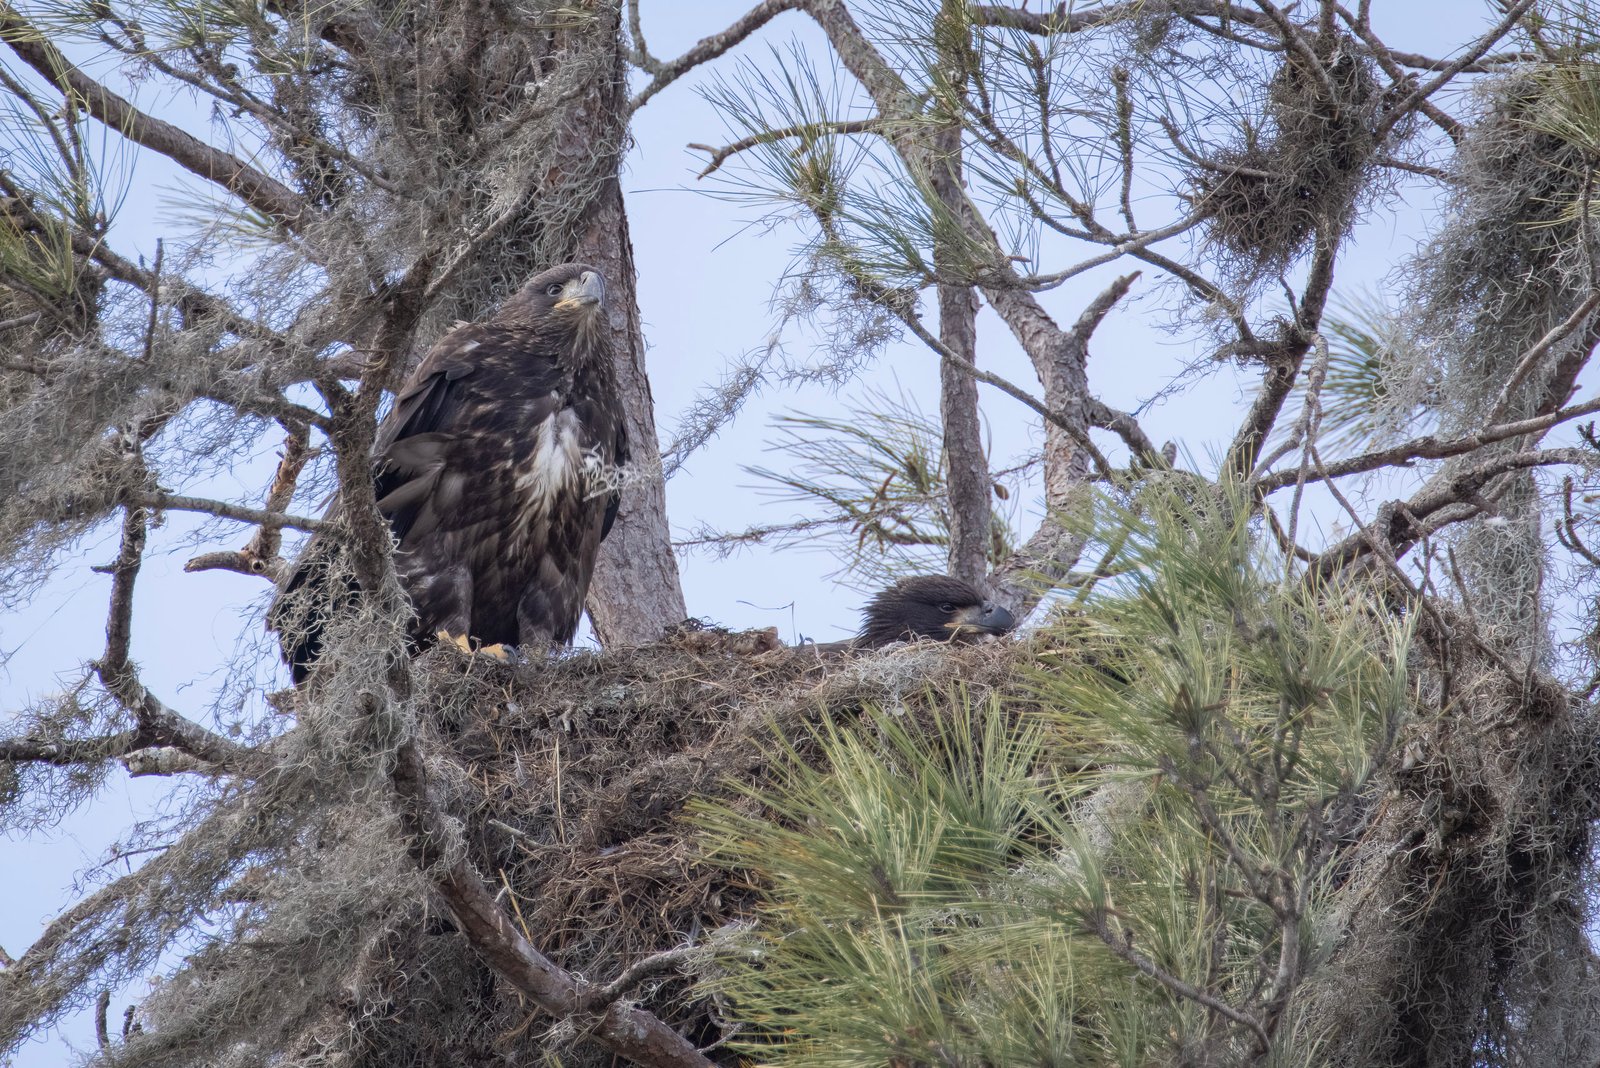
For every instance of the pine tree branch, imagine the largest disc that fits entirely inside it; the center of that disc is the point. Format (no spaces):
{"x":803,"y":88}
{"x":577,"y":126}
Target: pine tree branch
{"x":18,"y":208}
{"x":260,"y":191}
{"x":843,"y":127}
{"x":1123,"y":948}
{"x":706,"y":49}
{"x":171,"y":502}
{"x":1429,"y":447}
{"x":157,"y":723}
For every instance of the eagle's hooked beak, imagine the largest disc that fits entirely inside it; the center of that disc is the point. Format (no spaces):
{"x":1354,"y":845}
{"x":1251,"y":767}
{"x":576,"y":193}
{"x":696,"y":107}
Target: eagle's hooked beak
{"x":985,"y":618}
{"x":588,"y":288}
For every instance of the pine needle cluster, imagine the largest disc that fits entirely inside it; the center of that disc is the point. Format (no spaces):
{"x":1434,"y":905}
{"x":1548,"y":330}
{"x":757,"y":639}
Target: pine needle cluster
{"x":1136,"y":867}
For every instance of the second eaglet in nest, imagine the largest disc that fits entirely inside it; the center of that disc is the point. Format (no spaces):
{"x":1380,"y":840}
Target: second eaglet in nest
{"x":935,"y":607}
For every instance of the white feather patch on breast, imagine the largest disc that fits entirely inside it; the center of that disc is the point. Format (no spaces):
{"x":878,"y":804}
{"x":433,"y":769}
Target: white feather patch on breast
{"x":553,"y":465}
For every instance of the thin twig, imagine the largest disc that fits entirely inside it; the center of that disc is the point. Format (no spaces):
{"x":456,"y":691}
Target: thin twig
{"x":843,"y":127}
{"x":155,"y":304}
{"x":665,"y":961}
{"x":1308,"y":430}
{"x":1121,"y":948}
{"x":1476,"y":51}
{"x":706,"y":49}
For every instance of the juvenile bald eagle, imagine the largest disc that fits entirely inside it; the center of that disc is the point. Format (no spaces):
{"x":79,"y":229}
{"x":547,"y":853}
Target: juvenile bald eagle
{"x":497,"y":470}
{"x":930,"y":606}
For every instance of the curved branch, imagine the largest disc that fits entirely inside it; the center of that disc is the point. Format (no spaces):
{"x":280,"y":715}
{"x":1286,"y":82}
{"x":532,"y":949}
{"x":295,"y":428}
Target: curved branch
{"x":704,"y":50}
{"x":1401,"y":524}
{"x":157,"y":724}
{"x":1476,"y":51}
{"x":1126,"y":427}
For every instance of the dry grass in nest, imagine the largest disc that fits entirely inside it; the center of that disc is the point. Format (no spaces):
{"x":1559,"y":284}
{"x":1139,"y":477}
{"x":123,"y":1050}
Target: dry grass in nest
{"x":576,"y":771}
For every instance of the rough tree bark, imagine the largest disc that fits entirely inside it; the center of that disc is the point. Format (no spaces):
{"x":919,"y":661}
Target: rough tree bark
{"x":636,"y":592}
{"x":966,"y":464}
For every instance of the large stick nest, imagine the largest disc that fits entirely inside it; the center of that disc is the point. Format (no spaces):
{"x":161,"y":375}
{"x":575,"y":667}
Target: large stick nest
{"x":573,"y":775}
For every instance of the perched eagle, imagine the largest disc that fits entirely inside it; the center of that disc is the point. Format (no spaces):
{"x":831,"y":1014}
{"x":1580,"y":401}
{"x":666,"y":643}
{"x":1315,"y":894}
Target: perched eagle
{"x":497,"y":469}
{"x":930,"y":606}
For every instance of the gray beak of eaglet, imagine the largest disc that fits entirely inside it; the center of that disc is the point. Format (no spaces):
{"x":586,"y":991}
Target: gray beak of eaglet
{"x":982,"y":619}
{"x":588,"y":288}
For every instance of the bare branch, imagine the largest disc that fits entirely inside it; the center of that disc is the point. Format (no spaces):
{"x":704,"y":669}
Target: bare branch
{"x":158,"y":724}
{"x":260,"y":556}
{"x":1126,"y":427}
{"x":1567,"y":527}
{"x":171,"y":502}
{"x":1391,"y":563}
{"x":1446,"y":500}
{"x":163,"y":760}
{"x":1531,"y":358}
{"x":666,"y":961}
{"x":297,"y":452}
{"x":1015,"y":392}
{"x":102,"y":1003}
{"x":704,"y":50}
{"x":1283,"y":364}
{"x":1445,"y":76}
{"x":68,"y":752}
{"x":1296,"y":42}
{"x":239,"y":562}
{"x":1430,"y":447}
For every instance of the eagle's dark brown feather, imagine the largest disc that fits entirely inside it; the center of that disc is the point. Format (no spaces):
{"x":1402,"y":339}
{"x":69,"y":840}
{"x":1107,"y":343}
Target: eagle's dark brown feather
{"x":493,"y":469}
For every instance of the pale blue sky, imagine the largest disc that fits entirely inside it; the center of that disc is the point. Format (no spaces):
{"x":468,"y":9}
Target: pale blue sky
{"x":707,"y":270}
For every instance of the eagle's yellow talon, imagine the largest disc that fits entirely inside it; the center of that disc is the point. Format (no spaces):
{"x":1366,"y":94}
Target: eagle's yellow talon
{"x":460,"y":641}
{"x":498,"y":651}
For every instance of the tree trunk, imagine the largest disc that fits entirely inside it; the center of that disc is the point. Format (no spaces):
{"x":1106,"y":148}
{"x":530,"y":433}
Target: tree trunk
{"x":636,"y":593}
{"x":966,"y":468}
